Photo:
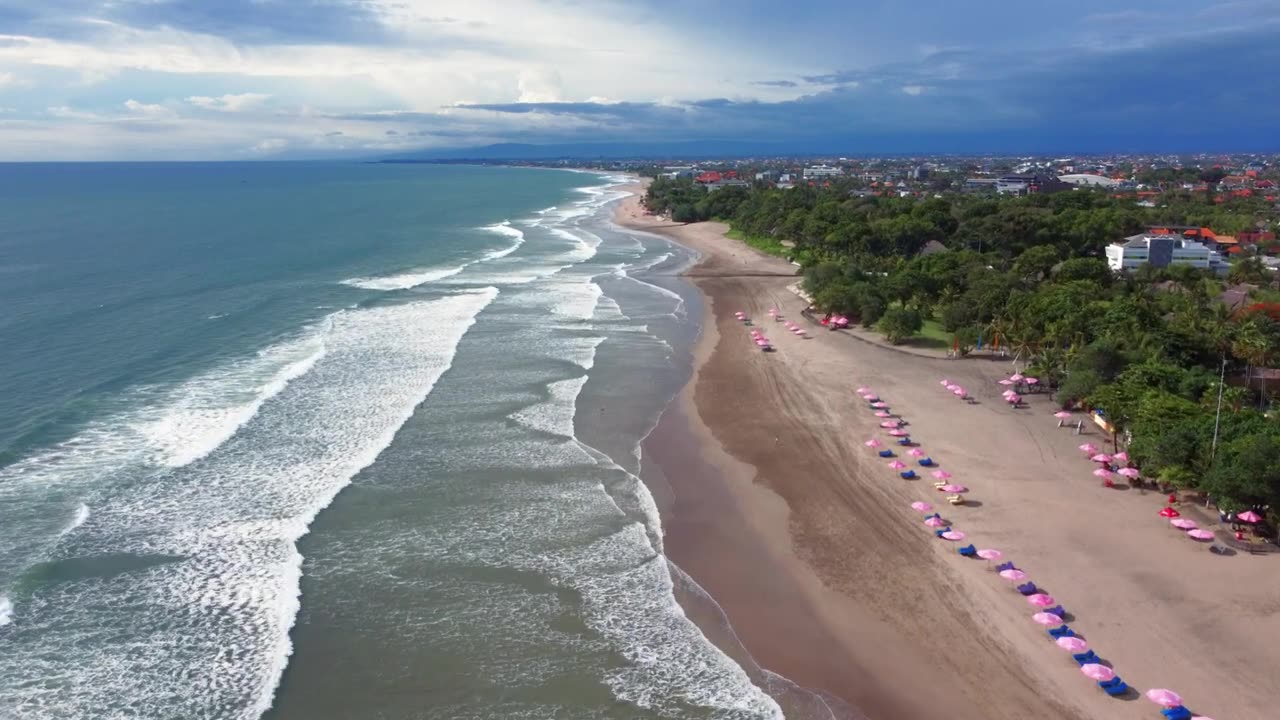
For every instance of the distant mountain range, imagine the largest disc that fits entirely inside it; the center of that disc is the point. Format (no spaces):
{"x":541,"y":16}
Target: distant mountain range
{"x":701,"y":149}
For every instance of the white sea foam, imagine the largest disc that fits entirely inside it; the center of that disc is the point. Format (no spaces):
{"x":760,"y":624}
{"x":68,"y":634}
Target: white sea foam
{"x":407,"y":280}
{"x":6,"y":611}
{"x":206,"y":413}
{"x":505,"y":229}
{"x":224,"y":611}
{"x":555,"y":415}
{"x":78,"y":519}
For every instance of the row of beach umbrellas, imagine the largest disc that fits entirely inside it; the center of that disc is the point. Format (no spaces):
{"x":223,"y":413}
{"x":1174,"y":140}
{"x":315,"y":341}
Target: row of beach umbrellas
{"x":1043,"y":601}
{"x":759,"y":338}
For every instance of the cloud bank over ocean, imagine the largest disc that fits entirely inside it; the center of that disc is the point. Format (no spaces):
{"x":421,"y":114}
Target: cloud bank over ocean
{"x":244,"y":79}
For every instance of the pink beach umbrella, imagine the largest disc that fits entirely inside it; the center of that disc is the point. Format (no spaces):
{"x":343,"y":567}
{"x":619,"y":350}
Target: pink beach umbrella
{"x":797,"y":331}
{"x":897,"y":465}
{"x":1121,"y":457}
{"x":1008,"y":393}
{"x":1102,"y":473}
{"x":762,"y":343}
{"x":873,"y":443}
{"x":898,"y":433}
{"x":953,"y":535}
{"x":1041,"y":600}
{"x":1089,"y":448}
{"x":1072,"y":644}
{"x":1062,"y":415}
{"x":879,"y":405}
{"x":941,"y":474}
{"x":945,"y":382}
{"x":1101,"y":673}
{"x":1130,"y":473}
{"x":1045,"y":618}
{"x":1017,"y":377}
{"x":1032,"y":381}
{"x":935,"y":522}
{"x":1014,"y":399}
{"x":959,"y":392}
{"x":890,"y":424}
{"x":952,"y":386}
{"x":1183,"y":523}
{"x":1249,"y":516}
{"x":883,"y":414}
{"x":1006,"y":382}
{"x":1013,"y":575}
{"x":954,"y":489}
{"x":915,"y":452}
{"x":1101,"y":457}
{"x":989,"y":554}
{"x":863,"y":389}
{"x":921,"y":506}
{"x":871,"y":397}
{"x":1163,"y":697}
{"x":1200,"y":534}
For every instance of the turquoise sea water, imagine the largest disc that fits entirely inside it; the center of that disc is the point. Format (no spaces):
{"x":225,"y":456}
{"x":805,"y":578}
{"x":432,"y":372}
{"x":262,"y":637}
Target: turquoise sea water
{"x":337,"y":441}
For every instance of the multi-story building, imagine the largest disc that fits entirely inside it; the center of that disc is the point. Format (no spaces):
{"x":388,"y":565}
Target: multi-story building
{"x":1027,"y":184}
{"x":1162,"y":251}
{"x":822,"y":171}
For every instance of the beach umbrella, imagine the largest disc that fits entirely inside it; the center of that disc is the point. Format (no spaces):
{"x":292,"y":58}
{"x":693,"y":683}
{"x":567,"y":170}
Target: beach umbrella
{"x":898,"y":433}
{"x":897,"y":465}
{"x":915,"y":452}
{"x":1072,"y":644}
{"x":1166,"y":698}
{"x":1041,"y":600}
{"x":945,"y":383}
{"x":1017,"y":377}
{"x":1062,"y":415}
{"x":1032,"y":381}
{"x":871,"y":397}
{"x":883,"y":414}
{"x":953,"y":535}
{"x":797,"y":331}
{"x":890,"y":424}
{"x":1131,"y":473}
{"x":1200,"y":534}
{"x":989,"y":554}
{"x":1183,"y":523}
{"x":954,"y":489}
{"x":1121,"y":457}
{"x":952,"y":386}
{"x":873,"y":443}
{"x":1089,"y":448}
{"x":1101,"y":457}
{"x":941,"y":474}
{"x":863,"y":389}
{"x":921,"y":506}
{"x":879,"y":405}
{"x":1007,"y":393}
{"x":1045,"y":618}
{"x":935,"y":522}
{"x":1249,"y":516}
{"x":1168,"y":512}
{"x":762,"y":343}
{"x":1013,"y":575}
{"x":1006,"y":382}
{"x":1101,"y":673}
{"x":1014,"y":399}
{"x":1102,"y":473}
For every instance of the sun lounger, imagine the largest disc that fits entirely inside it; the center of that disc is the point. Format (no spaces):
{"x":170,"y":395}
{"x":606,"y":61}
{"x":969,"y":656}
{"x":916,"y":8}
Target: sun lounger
{"x":1061,"y":631}
{"x":905,"y":441}
{"x":955,"y":499}
{"x":1177,"y":712}
{"x":886,"y":453}
{"x":1028,"y":588}
{"x":1118,"y":689}
{"x":968,"y":551}
{"x":926,"y":462}
{"x":939,"y":532}
{"x":908,"y":475}
{"x":1085,"y":658}
{"x":1056,"y":610}
{"x":1005,"y":566}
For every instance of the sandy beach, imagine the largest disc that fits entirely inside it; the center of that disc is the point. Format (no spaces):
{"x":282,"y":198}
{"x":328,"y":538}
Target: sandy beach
{"x":806,"y":541}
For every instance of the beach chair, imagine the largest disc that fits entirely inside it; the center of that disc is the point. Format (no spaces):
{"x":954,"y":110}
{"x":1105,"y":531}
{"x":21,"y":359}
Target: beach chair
{"x":908,"y":475}
{"x":1085,"y":658}
{"x":968,"y":551}
{"x":1118,"y":689}
{"x":939,"y":532}
{"x":905,"y":441}
{"x":955,"y":499}
{"x":926,"y":462}
{"x":1177,"y":712}
{"x":1005,"y":566}
{"x":1028,"y":588}
{"x":1057,"y":610}
{"x":886,"y":453}
{"x":1061,"y":631}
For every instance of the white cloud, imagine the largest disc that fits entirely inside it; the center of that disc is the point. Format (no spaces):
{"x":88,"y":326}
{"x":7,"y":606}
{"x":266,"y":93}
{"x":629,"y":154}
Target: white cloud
{"x":913,"y":90}
{"x":229,"y":103}
{"x":7,"y":78}
{"x":271,"y":145}
{"x":540,"y":86}
{"x":139,"y":109}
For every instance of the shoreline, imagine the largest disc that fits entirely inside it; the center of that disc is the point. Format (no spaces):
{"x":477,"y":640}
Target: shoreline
{"x":825,"y":577}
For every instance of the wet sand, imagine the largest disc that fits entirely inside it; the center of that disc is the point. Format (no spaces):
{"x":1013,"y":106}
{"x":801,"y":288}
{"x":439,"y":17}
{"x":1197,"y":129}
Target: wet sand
{"x":771,"y":503}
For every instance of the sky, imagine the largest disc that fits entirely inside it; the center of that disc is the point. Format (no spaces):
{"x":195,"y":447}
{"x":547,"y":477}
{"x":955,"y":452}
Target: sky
{"x":271,"y":79}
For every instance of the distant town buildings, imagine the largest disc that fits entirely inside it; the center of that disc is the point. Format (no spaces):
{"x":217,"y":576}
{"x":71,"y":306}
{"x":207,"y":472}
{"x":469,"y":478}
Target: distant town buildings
{"x":1089,"y":180}
{"x":822,"y":171}
{"x":1029,"y":184}
{"x":1162,"y":250}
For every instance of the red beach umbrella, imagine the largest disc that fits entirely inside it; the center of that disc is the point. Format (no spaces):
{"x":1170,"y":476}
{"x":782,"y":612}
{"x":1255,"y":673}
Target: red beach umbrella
{"x":1168,"y":512}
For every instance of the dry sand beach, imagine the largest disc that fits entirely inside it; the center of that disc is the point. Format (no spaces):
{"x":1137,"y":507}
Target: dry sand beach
{"x":806,"y":540}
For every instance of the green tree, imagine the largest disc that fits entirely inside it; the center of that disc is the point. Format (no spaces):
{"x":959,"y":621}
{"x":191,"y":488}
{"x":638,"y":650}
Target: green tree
{"x":900,"y":323}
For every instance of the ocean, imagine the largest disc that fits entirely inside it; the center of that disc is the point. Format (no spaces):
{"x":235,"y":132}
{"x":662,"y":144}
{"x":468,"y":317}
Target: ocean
{"x":337,"y":440}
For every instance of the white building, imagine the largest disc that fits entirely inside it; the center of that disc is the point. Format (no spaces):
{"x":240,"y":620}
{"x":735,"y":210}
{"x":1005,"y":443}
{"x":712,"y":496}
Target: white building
{"x":1087,"y":180}
{"x":1162,"y":251}
{"x":822,"y":171}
